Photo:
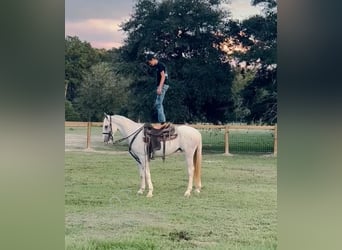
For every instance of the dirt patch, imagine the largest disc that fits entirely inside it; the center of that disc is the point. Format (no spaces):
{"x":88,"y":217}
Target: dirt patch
{"x":179,"y":235}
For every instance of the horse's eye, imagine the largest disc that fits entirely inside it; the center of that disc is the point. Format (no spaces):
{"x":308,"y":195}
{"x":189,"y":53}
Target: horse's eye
{"x":106,"y":126}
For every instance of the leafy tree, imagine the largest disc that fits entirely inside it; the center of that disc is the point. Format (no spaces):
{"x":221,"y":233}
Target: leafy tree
{"x":79,"y":57}
{"x":260,"y":96}
{"x":70,"y":113}
{"x":101,"y":91}
{"x":240,"y":112}
{"x":258,"y":99}
{"x":186,"y":35}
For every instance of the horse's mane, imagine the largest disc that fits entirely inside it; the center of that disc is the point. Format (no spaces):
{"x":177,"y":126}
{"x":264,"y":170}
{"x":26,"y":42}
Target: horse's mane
{"x":123,"y":117}
{"x":126,"y":119}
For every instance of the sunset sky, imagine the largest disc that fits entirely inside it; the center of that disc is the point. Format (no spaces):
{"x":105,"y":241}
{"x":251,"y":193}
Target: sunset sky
{"x":98,"y":21}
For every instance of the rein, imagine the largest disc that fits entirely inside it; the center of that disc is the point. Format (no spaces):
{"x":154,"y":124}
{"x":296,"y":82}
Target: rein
{"x":130,"y":145}
{"x":110,"y":133}
{"x":135,"y":133}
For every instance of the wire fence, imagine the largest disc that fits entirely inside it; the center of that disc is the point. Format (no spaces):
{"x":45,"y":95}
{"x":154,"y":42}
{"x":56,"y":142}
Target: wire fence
{"x":228,"y":139}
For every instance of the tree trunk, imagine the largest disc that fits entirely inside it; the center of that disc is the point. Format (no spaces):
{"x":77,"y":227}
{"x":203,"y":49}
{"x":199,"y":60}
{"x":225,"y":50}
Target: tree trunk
{"x":65,"y":88}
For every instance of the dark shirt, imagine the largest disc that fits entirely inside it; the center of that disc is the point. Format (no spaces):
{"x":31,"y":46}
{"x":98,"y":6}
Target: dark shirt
{"x":160,"y":67}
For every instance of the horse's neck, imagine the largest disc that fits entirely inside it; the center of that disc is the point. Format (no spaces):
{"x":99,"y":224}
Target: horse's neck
{"x":126,"y":126}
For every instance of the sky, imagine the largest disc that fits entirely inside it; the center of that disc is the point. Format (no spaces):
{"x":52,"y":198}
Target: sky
{"x":97,"y":21}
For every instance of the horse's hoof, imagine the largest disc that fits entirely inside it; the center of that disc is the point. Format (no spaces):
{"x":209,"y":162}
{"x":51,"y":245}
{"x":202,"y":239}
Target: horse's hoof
{"x":140,"y":191}
{"x":187,"y":194}
{"x":149,"y":195}
{"x":197,"y":191}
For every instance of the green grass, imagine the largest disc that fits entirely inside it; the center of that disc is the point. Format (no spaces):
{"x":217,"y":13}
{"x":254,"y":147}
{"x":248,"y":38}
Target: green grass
{"x":237,"y":208}
{"x":242,"y":141}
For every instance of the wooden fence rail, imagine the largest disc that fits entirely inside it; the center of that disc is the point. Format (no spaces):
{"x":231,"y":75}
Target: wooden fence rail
{"x":227,"y":128}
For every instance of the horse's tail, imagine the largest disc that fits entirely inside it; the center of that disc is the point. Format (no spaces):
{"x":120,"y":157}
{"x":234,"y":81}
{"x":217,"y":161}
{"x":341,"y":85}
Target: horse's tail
{"x":198,"y":166}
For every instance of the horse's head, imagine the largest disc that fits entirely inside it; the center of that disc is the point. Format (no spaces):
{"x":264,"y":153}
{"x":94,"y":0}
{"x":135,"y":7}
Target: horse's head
{"x":108,"y":129}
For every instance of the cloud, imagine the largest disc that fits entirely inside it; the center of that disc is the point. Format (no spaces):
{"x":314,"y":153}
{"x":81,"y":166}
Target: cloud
{"x":98,"y":21}
{"x":242,"y":9}
{"x":100,"y":33}
{"x":76,"y":10}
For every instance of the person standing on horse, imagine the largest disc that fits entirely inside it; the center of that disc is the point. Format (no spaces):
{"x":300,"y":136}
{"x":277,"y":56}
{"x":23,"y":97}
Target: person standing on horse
{"x":162,"y":85}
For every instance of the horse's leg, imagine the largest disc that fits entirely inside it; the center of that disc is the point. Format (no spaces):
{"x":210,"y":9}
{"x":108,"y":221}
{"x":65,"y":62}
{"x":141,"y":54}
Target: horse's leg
{"x":142,"y":178}
{"x":190,"y":164}
{"x":148,"y":179}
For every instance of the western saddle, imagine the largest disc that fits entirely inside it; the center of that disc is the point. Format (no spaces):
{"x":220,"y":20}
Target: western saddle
{"x":154,"y":136}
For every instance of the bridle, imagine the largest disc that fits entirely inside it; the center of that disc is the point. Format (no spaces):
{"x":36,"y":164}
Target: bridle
{"x":110,"y":133}
{"x":134,"y":134}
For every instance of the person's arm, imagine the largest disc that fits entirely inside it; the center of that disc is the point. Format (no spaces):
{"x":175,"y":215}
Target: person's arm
{"x":162,"y":81}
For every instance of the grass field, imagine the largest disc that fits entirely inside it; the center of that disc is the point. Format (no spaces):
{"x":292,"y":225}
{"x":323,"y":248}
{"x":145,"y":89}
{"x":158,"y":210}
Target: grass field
{"x":237,"y":208}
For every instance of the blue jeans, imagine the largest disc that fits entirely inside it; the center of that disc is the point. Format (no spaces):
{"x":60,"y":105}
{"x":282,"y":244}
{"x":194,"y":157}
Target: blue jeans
{"x":159,"y":104}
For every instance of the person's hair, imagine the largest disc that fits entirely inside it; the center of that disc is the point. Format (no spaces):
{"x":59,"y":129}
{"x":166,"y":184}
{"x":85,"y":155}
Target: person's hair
{"x":149,"y":57}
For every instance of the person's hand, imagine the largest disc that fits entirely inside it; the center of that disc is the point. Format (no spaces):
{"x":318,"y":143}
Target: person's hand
{"x":159,"y":90}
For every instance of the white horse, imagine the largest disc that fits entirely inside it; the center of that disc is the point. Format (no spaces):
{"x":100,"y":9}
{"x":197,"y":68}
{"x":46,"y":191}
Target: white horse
{"x":189,"y":140}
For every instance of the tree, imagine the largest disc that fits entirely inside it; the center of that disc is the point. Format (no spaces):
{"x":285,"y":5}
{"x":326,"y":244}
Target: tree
{"x":79,"y":57}
{"x":258,"y":34}
{"x":70,"y":112}
{"x":260,"y":96}
{"x":101,"y":91}
{"x":241,"y":80}
{"x":186,"y":35}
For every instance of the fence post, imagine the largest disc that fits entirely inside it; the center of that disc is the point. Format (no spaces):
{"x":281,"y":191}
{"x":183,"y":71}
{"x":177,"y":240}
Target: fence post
{"x":226,"y":141}
{"x":275,"y":147}
{"x":88,"y":134}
